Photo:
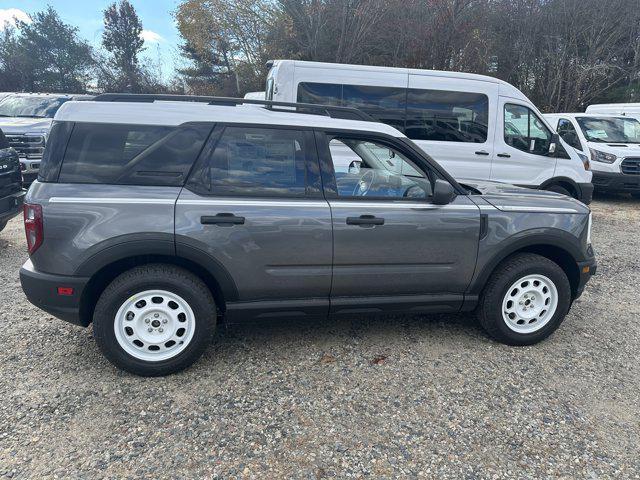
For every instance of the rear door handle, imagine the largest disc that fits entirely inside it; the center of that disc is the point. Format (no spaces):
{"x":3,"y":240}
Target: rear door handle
{"x":504,"y":155}
{"x":482,"y":152}
{"x":364,"y":220}
{"x":225,"y":219}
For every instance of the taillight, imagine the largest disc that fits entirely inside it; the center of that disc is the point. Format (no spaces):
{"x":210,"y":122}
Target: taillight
{"x":33,"y":226}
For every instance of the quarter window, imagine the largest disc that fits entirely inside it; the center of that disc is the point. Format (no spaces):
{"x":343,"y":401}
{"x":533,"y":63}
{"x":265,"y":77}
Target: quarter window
{"x":132,"y":154}
{"x":372,"y":169}
{"x":254,"y":162}
{"x":524,"y":130}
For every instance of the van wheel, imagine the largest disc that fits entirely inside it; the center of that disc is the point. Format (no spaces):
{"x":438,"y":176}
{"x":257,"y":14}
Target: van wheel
{"x":525,"y":300}
{"x":559,"y":189}
{"x":154,"y":320}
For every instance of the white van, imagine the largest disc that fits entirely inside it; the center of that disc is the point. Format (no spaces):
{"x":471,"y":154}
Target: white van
{"x":626,"y":109}
{"x":477,"y":127}
{"x":611,"y":141}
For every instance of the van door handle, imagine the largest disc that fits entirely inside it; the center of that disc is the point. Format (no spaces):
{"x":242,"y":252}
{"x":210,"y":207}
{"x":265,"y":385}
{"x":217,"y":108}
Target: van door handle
{"x":504,"y":155}
{"x":225,"y":219}
{"x":364,"y":220}
{"x":482,"y":152}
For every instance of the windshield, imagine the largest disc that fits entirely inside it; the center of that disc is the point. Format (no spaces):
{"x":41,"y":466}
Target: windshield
{"x":610,"y":130}
{"x":31,"y":106}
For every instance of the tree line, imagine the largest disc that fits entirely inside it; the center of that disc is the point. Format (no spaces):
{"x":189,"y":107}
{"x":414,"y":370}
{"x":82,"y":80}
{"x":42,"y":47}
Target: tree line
{"x":563,"y":54}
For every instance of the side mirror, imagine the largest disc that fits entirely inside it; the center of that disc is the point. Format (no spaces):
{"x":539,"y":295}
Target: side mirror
{"x":555,"y":140}
{"x":443,"y":192}
{"x":354,"y":166}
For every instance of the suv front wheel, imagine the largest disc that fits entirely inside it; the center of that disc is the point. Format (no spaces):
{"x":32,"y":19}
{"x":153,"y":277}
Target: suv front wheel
{"x":154,"y":320}
{"x":525,"y":300}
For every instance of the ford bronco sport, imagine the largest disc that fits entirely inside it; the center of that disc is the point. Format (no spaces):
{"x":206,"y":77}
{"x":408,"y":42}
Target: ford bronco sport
{"x":155,"y":216}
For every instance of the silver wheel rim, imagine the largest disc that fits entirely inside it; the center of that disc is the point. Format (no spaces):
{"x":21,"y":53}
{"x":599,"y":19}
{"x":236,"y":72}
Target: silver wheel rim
{"x":530,"y":304}
{"x":154,"y":325}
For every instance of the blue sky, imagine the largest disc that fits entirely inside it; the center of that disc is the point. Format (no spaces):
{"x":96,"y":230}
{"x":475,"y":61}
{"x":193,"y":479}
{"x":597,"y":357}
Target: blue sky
{"x":160,"y":33}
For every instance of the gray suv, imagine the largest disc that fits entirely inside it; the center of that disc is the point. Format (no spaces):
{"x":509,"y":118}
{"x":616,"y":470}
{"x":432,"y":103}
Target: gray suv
{"x":155,"y":216}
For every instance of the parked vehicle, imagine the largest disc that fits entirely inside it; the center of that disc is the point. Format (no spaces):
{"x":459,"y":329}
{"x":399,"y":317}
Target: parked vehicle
{"x":612,"y":143}
{"x":153,"y":219}
{"x":475,"y":126}
{"x":26,"y":119}
{"x":626,"y":109}
{"x":11,"y":192}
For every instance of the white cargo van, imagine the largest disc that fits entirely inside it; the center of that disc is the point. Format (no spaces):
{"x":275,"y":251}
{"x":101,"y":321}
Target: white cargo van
{"x":626,"y":109}
{"x":477,"y":127}
{"x":611,"y":141}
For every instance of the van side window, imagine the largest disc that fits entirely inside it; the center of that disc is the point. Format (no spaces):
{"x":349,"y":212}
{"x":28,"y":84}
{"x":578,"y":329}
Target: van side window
{"x":132,"y":154}
{"x":447,"y":116}
{"x":567,"y":131}
{"x":525,"y":131}
{"x":255,"y":161}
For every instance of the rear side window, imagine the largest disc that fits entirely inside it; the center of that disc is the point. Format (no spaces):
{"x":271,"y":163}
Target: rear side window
{"x":132,"y":154}
{"x":256,"y":161}
{"x":447,"y":116}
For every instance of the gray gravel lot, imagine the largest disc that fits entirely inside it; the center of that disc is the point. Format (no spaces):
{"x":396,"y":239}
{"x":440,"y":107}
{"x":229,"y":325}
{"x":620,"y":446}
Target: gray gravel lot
{"x":405,"y":397}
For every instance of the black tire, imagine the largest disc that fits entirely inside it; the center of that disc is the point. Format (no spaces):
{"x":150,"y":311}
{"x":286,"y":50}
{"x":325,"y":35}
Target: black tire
{"x":559,"y":189}
{"x":516,"y":267}
{"x":3,"y":224}
{"x":154,"y":277}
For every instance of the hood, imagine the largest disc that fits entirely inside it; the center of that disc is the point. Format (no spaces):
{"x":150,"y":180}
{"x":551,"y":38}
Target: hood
{"x":618,"y":149}
{"x":508,"y":197}
{"x":19,"y":125}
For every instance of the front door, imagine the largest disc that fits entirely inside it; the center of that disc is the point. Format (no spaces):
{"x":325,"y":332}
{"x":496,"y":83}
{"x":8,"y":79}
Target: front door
{"x":392,"y":246}
{"x":521,"y":146}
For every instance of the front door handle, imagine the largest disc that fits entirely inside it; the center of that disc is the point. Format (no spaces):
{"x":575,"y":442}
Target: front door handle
{"x":504,"y":155}
{"x":224,"y":219}
{"x":365,"y":220}
{"x":482,"y":152}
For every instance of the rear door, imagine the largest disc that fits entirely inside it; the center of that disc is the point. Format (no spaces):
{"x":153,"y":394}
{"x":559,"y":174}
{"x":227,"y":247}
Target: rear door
{"x":453,"y":121}
{"x":254,"y":206}
{"x":393,"y":248}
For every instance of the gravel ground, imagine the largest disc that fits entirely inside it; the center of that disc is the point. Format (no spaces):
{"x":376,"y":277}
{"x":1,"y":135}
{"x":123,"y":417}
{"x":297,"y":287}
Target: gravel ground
{"x":405,"y":397}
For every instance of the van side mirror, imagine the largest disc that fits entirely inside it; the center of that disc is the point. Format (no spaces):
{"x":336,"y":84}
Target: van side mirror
{"x":555,"y":140}
{"x":443,"y":192}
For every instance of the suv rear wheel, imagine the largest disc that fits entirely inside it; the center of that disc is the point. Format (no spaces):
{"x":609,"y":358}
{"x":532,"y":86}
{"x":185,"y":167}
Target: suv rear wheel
{"x":154,"y":320}
{"x":525,"y":300}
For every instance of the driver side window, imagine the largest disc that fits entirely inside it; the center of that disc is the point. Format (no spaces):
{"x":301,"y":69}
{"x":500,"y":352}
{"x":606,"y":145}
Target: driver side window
{"x":525,"y":131}
{"x":372,"y":169}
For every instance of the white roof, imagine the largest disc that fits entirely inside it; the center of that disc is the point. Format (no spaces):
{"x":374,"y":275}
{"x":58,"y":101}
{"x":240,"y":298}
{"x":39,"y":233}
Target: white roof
{"x":172,"y":113}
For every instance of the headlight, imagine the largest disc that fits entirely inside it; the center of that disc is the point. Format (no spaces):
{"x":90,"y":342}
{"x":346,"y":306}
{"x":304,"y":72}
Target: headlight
{"x":602,"y":157}
{"x":585,"y":160}
{"x":589,"y":229}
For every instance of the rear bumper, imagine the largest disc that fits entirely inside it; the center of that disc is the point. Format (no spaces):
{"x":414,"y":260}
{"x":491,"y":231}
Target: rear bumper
{"x":11,"y":205}
{"x":616,"y":182}
{"x":41,"y":289}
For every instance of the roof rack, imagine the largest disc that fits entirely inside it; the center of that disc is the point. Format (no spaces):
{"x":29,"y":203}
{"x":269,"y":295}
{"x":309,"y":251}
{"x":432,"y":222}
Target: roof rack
{"x":345,"y":113}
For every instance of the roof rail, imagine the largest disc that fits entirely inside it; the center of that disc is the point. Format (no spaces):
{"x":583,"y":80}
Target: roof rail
{"x":345,"y":113}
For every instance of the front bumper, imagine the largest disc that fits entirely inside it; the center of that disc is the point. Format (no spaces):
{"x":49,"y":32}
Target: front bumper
{"x":616,"y":182}
{"x":587,"y":269}
{"x":11,"y":205}
{"x":41,"y":289}
{"x":585,"y":192}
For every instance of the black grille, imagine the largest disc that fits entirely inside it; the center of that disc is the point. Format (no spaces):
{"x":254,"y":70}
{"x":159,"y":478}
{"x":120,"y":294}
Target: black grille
{"x":27,"y":146}
{"x":631,"y":166}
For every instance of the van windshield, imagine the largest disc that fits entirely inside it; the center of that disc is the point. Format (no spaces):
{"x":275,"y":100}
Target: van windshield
{"x":33,"y":106}
{"x":610,"y":130}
